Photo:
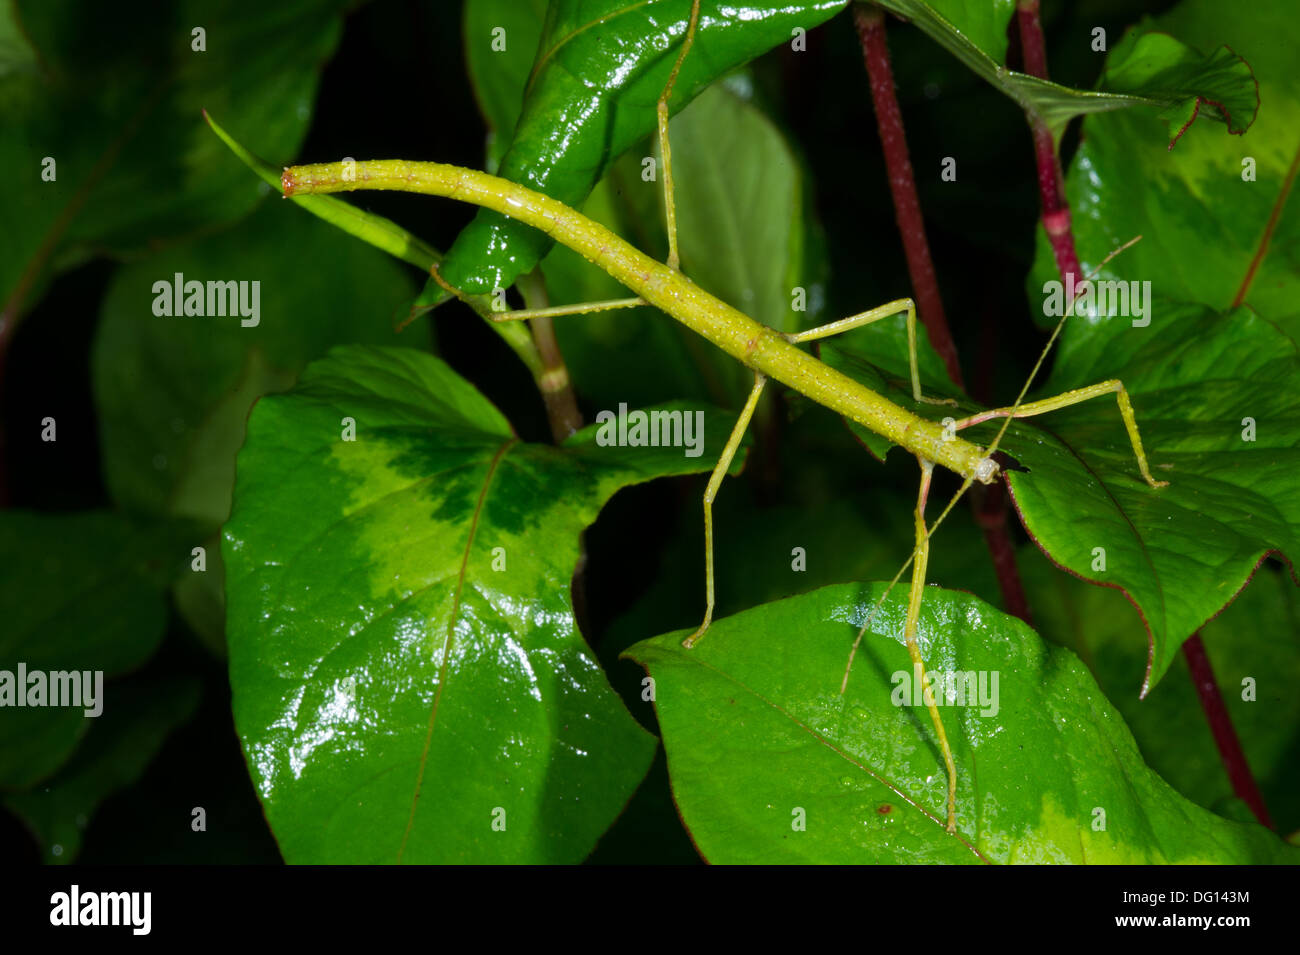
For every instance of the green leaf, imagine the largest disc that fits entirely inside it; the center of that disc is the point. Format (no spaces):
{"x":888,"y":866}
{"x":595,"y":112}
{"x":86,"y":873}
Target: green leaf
{"x":500,"y":76}
{"x":1252,"y":640}
{"x":403,"y":654}
{"x":173,"y":391}
{"x":81,"y":591}
{"x":599,"y":87}
{"x":1213,"y":213}
{"x":770,"y":764}
{"x":739,"y":204}
{"x":1165,"y":75}
{"x":741,"y":226}
{"x":600,"y":69}
{"x":16,"y":53}
{"x":1221,"y":83}
{"x":137,"y":167}
{"x":201,"y":598}
{"x":118,"y":749}
{"x":1182,"y":552}
{"x":983,"y":22}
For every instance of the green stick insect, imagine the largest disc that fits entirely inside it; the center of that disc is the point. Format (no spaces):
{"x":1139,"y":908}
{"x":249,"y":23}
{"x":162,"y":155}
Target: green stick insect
{"x":770,"y":354}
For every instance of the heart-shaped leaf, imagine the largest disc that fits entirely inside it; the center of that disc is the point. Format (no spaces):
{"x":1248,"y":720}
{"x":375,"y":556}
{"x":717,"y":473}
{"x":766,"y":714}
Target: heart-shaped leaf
{"x":771,"y":764}
{"x":409,"y":683}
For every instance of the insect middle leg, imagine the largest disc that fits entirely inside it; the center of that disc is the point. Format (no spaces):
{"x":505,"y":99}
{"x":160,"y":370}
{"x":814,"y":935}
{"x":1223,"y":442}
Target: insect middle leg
{"x":919,"y":564}
{"x":719,"y":472}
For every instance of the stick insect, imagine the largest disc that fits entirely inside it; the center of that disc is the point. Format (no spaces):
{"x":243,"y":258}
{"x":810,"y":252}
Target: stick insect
{"x":768,"y":353}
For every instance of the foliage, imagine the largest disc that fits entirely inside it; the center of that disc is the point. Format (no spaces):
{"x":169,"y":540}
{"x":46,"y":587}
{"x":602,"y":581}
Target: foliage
{"x":447,"y":638}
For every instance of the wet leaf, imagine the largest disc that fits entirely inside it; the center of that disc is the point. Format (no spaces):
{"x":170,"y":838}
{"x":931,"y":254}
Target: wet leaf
{"x":770,"y":764}
{"x":1252,"y":650}
{"x":409,"y":683}
{"x":599,"y":71}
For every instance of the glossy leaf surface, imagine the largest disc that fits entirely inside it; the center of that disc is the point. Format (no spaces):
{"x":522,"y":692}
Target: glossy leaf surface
{"x":770,"y":764}
{"x":600,"y":69}
{"x":1252,"y":649}
{"x":409,"y":681}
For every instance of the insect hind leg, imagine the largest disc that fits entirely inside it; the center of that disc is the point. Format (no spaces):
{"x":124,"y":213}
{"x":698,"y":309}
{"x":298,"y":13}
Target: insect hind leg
{"x":711,"y":492}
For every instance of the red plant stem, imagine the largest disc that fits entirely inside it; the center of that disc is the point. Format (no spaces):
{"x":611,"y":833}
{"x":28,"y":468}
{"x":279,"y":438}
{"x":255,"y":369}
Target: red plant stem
{"x":1051,"y":183}
{"x":990,"y":504}
{"x":1056,"y":220}
{"x":870,"y":22}
{"x":1225,"y":736}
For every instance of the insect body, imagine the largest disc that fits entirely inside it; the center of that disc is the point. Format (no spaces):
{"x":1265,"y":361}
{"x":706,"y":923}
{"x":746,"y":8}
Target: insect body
{"x":770,"y":354}
{"x":755,"y":345}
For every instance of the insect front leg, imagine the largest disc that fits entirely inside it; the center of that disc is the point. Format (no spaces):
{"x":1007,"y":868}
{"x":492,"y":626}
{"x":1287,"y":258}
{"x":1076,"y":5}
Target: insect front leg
{"x":887,"y":310}
{"x":1113,"y":386}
